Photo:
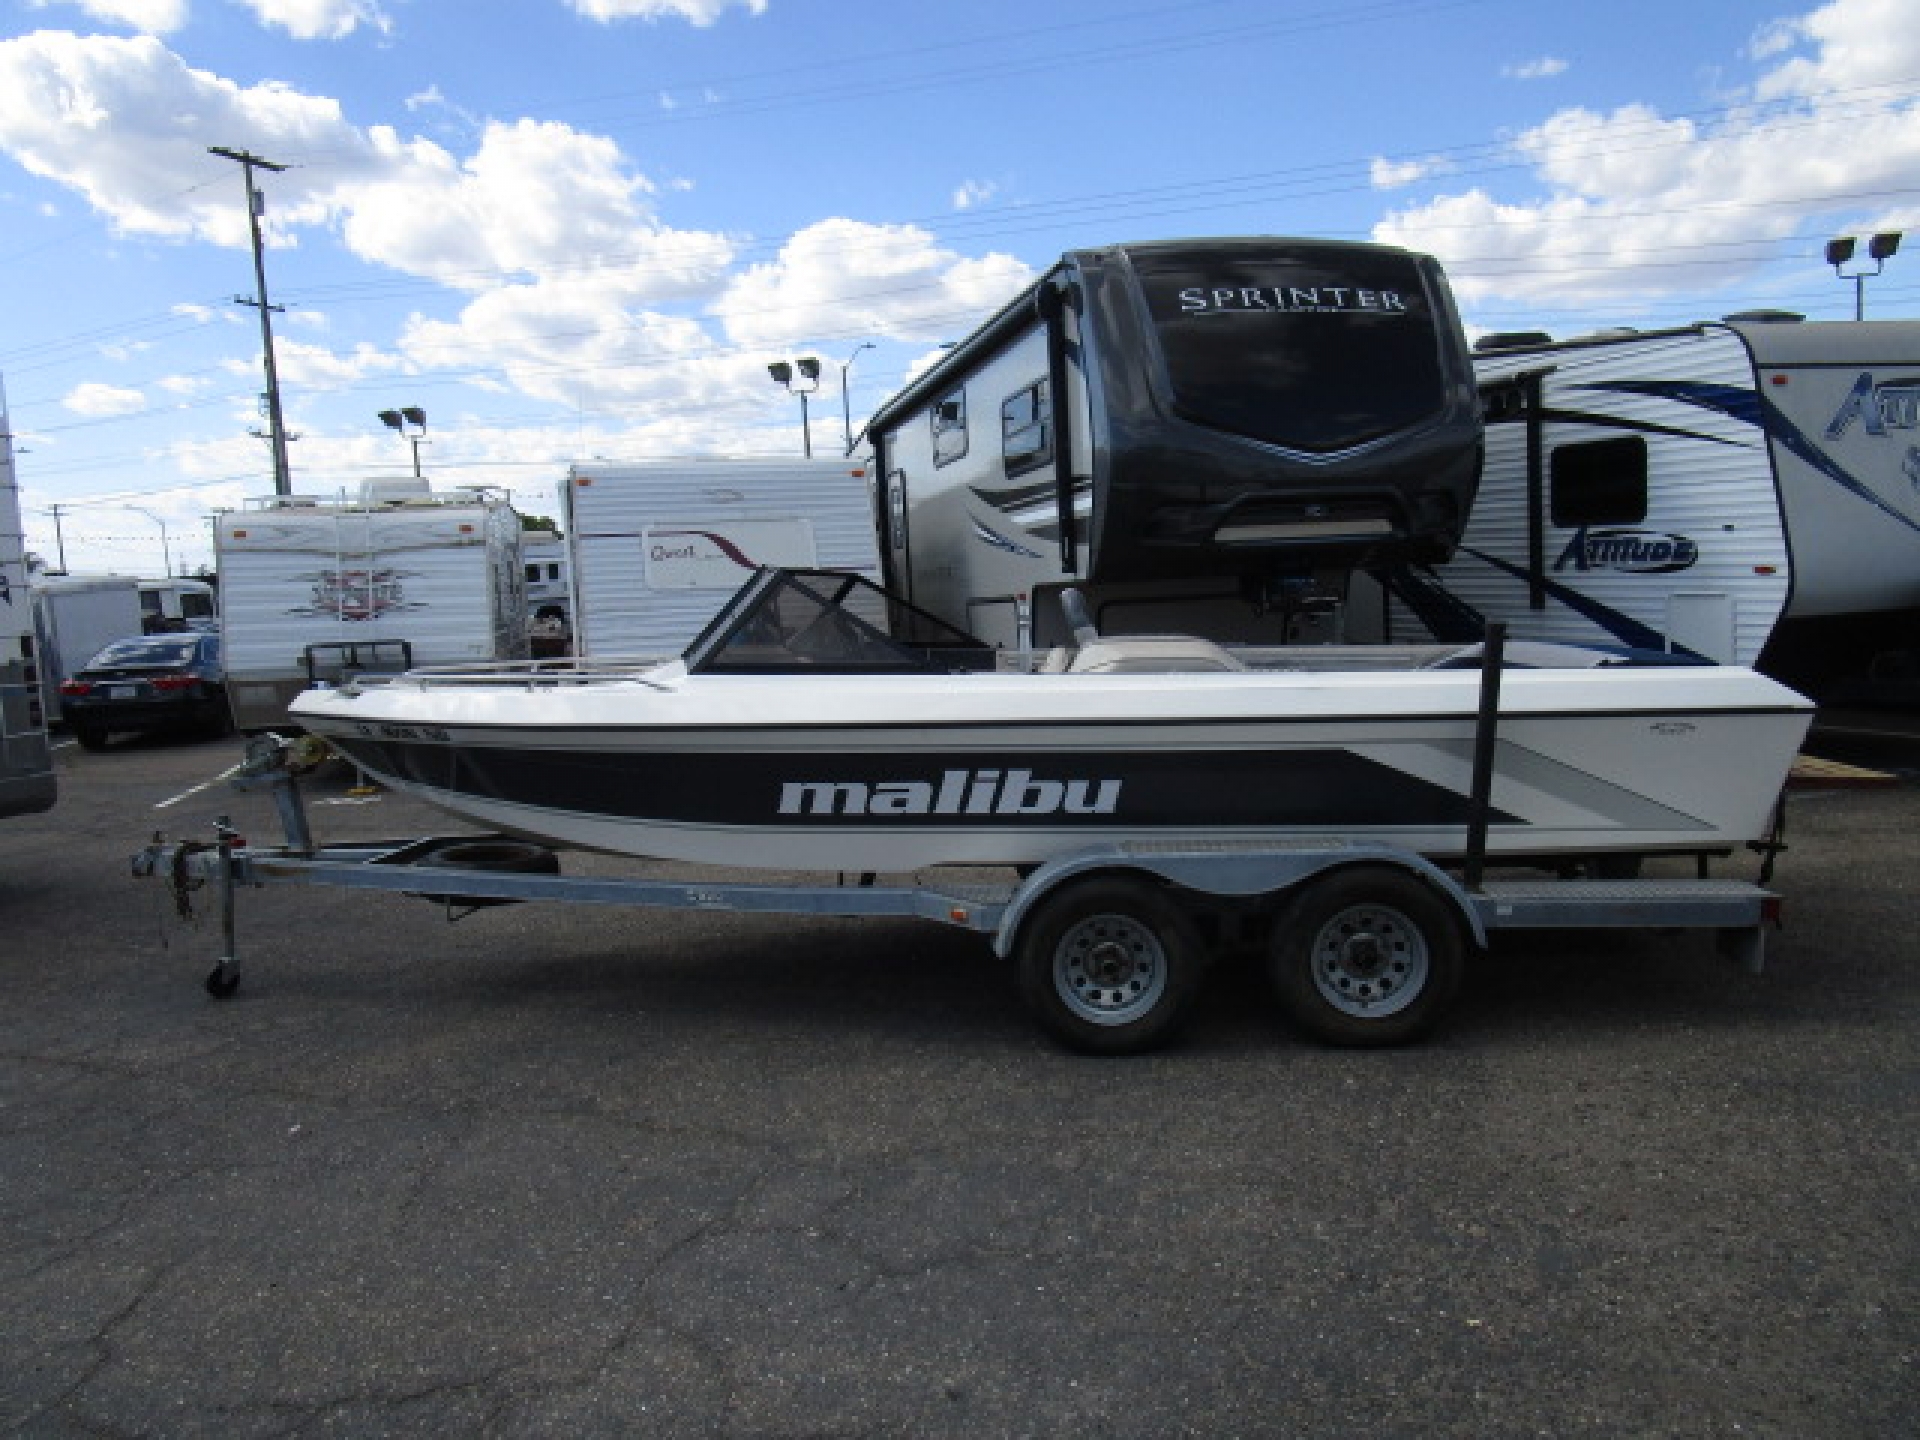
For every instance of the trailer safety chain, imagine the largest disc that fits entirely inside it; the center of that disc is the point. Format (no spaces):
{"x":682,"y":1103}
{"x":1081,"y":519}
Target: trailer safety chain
{"x":181,"y":882}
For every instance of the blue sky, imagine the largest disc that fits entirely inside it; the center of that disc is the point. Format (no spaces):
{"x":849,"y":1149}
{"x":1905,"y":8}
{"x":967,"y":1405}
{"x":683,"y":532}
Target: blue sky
{"x":567,"y":228}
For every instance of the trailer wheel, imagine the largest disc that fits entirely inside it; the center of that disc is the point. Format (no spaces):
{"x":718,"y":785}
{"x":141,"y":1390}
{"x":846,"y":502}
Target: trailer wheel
{"x":502,"y":857}
{"x":1365,"y":957}
{"x":1108,"y":965}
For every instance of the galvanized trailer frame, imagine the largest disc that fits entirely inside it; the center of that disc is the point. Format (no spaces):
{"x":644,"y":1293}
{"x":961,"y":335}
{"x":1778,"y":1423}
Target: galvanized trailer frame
{"x":1365,"y":941}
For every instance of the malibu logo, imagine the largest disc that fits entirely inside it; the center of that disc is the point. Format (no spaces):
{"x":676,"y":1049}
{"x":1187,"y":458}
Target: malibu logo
{"x":959,"y":792}
{"x":1636,"y":552}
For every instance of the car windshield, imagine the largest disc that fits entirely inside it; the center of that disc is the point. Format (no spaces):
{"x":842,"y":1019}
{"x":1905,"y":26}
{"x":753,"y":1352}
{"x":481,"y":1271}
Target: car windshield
{"x":148,"y":650}
{"x":829,"y":622}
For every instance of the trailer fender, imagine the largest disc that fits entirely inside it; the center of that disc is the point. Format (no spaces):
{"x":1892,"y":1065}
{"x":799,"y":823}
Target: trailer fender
{"x":1228,"y":872}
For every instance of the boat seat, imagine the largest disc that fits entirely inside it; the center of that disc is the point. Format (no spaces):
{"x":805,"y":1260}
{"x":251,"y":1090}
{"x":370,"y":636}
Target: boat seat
{"x":1148,"y":654}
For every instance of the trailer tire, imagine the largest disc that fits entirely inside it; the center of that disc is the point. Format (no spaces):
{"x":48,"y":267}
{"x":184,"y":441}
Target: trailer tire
{"x":1108,"y":965}
{"x":1365,"y":957}
{"x":506,"y":857}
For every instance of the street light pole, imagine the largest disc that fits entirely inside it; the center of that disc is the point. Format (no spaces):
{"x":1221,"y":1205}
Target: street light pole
{"x":399,"y":419}
{"x":166,"y":551}
{"x":846,"y":409}
{"x":1880,"y":249}
{"x":808,"y":370}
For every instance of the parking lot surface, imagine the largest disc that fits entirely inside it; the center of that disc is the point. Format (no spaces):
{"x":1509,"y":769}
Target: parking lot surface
{"x":577,"y":1171}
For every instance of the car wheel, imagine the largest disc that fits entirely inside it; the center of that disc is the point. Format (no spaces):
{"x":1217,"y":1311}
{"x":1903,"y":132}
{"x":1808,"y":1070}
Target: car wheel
{"x":90,"y":737}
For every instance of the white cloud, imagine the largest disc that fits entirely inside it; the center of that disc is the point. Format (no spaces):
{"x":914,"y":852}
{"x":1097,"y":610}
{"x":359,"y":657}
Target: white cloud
{"x":534,"y":196}
{"x":126,"y":123}
{"x":1630,"y":203}
{"x":1544,"y":68}
{"x":698,"y":12}
{"x":1388,"y":174}
{"x":320,"y":19}
{"x":153,"y":17}
{"x":315,"y":367}
{"x":93,"y":398}
{"x":845,"y":277}
{"x":1855,"y":43}
{"x":970,"y":193}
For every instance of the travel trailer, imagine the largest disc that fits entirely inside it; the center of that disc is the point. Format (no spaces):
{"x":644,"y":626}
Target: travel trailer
{"x":178,"y":604}
{"x":1745,"y":491}
{"x":75,"y":617}
{"x":315,"y":590}
{"x":656,"y":547}
{"x":27,"y":782}
{"x":1192,"y":433}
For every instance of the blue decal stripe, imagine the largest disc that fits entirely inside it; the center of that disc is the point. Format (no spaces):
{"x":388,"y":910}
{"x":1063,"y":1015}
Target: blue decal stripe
{"x":1740,"y":402}
{"x":1444,"y":615}
{"x":1795,"y":441}
{"x":1623,"y":628}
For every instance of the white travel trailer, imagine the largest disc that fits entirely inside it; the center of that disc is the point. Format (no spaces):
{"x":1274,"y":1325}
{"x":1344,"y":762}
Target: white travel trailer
{"x":549,"y":592}
{"x":656,"y":547}
{"x":1746,"y":491}
{"x":75,"y":617}
{"x":1197,"y":434}
{"x":313,"y":590}
{"x":27,"y":781}
{"x":174,"y":603}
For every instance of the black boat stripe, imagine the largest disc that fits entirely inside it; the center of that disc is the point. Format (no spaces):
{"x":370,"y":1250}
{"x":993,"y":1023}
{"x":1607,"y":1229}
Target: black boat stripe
{"x":1150,"y":788}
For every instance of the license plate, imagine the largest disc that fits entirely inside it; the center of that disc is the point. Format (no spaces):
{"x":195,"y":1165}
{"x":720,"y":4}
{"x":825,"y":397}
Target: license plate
{"x":122,"y":692}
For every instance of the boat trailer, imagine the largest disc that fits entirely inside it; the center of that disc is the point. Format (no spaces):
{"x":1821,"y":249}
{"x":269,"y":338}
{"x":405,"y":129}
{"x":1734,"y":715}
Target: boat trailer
{"x":1364,"y":943}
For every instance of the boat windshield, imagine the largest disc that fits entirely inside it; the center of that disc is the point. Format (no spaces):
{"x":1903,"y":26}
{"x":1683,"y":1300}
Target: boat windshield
{"x":829,"y":622}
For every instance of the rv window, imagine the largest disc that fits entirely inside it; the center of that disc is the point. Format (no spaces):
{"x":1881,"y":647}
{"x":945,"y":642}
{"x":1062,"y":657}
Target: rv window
{"x":1601,"y":482}
{"x":950,"y":428}
{"x":1312,"y":348}
{"x":1026,"y":429}
{"x":195,"y":606}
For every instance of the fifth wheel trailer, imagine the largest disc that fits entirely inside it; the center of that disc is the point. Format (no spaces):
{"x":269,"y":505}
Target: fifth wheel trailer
{"x":1199,"y":435}
{"x":1745,"y":491}
{"x":27,"y":781}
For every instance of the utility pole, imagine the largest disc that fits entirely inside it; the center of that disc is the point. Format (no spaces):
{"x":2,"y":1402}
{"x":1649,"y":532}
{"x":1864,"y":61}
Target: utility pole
{"x":59,"y":536}
{"x":256,"y":202}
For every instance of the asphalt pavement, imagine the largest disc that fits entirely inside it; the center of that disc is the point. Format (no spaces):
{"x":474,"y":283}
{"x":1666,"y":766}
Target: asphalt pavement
{"x":576,"y":1171}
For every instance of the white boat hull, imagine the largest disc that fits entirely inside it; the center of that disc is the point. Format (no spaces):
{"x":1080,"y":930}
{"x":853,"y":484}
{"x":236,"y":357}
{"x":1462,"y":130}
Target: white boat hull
{"x":897,"y":773}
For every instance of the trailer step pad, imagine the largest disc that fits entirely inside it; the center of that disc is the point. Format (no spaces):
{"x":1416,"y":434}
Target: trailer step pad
{"x":1586,"y":904}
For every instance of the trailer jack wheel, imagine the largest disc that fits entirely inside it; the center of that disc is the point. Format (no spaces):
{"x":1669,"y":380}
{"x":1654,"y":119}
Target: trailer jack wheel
{"x":222,"y":981}
{"x":1365,"y":957}
{"x":1108,"y":965}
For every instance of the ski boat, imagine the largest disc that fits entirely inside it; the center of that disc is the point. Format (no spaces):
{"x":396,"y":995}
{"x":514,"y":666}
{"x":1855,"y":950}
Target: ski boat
{"x":819,"y":724}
